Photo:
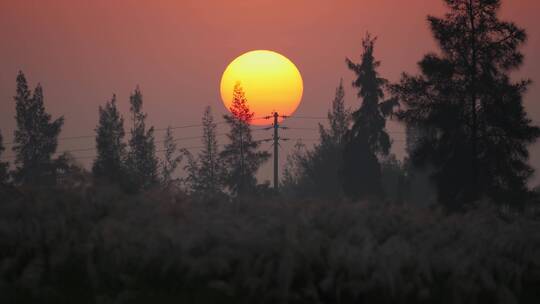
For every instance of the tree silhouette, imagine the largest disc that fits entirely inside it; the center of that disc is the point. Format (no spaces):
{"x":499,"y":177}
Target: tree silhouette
{"x":171,"y":160}
{"x":36,"y":136}
{"x":239,"y":107}
{"x":316,"y":172}
{"x":141,"y":162}
{"x":241,"y":158}
{"x":339,"y":119}
{"x":419,"y":186}
{"x":477,"y":131}
{"x":3,"y":165}
{"x":367,"y":139}
{"x":206,"y":172}
{"x":293,"y":181}
{"x":111,"y":150}
{"x":394,"y":179}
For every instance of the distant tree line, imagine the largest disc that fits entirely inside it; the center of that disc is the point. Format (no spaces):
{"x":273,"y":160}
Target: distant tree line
{"x":467,"y":131}
{"x":133,"y":165}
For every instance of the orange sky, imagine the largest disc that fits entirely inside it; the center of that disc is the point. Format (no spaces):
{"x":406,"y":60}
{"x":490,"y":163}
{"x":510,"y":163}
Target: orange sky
{"x":83,"y":51}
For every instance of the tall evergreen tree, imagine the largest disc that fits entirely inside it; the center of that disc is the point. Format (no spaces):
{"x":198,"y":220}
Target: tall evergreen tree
{"x":206,"y":172}
{"x":316,"y":172}
{"x":171,"y":160}
{"x":367,"y":139}
{"x":111,"y":149}
{"x":241,"y":158}
{"x":142,"y":163}
{"x":36,"y":136}
{"x":339,"y":119}
{"x":3,"y":165}
{"x":478,"y":131}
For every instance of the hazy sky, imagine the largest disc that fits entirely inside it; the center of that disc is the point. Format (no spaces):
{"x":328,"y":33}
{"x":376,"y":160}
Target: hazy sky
{"x":84,"y":51}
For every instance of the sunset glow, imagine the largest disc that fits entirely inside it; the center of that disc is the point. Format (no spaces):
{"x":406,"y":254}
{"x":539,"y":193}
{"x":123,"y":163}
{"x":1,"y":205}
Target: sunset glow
{"x":272,"y":83}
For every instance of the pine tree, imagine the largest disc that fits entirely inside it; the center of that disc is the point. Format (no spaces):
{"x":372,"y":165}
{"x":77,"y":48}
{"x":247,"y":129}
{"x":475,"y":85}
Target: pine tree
{"x":316,"y":172}
{"x":36,"y":136}
{"x":206,"y":172}
{"x":241,"y":158}
{"x":171,"y":160}
{"x":111,"y":150}
{"x":367,"y":139}
{"x":142,"y":163}
{"x":3,"y":165}
{"x":478,"y":129}
{"x":338,"y":118}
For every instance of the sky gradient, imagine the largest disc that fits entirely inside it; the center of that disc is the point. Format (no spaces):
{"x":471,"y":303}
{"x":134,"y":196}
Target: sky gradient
{"x":84,"y":51}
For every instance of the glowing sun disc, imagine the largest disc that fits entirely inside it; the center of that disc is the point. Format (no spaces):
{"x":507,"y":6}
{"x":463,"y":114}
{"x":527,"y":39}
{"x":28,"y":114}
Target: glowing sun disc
{"x":271,"y":82}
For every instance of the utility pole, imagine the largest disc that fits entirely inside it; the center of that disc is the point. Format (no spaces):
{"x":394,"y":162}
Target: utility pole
{"x":276,"y":150}
{"x":276,"y":140}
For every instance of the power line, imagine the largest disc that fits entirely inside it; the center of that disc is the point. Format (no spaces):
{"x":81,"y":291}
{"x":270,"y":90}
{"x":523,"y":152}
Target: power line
{"x":307,"y":117}
{"x":67,"y":138}
{"x":295,"y":128}
{"x":94,"y":148}
{"x":287,"y":117}
{"x":316,"y":129}
{"x":9,"y":157}
{"x":302,"y":139}
{"x":261,"y":129}
{"x":187,"y":126}
{"x":155,"y":129}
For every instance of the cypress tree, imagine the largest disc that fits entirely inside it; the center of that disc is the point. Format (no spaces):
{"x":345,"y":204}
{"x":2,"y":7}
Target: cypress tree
{"x":36,"y":136}
{"x":477,"y":129}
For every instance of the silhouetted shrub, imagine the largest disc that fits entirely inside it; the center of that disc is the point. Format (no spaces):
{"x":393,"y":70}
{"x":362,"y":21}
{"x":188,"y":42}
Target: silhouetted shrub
{"x":100,"y":245}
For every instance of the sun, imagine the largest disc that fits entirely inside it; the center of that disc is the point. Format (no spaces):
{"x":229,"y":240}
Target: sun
{"x":271,"y":82}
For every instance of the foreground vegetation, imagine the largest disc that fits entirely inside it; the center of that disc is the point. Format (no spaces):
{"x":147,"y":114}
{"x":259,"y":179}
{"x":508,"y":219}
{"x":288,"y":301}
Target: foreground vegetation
{"x":99,"y":245}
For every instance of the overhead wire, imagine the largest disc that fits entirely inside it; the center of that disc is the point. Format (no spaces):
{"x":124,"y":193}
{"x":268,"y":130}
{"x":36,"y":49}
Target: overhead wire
{"x":155,"y":129}
{"x":194,"y":125}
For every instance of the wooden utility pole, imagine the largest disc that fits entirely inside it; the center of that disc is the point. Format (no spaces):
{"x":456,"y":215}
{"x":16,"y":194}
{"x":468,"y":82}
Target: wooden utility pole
{"x":276,"y":150}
